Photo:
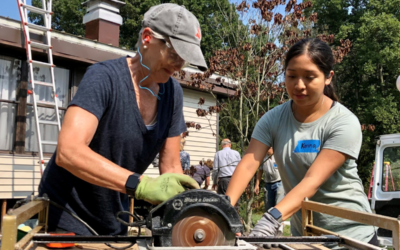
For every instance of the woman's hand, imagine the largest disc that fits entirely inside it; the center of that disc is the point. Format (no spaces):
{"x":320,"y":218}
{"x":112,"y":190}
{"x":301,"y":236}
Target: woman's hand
{"x":266,"y":226}
{"x":164,"y":187}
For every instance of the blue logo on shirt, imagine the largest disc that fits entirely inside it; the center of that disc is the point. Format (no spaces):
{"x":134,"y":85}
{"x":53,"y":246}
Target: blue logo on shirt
{"x":275,"y":166}
{"x":307,"y":146}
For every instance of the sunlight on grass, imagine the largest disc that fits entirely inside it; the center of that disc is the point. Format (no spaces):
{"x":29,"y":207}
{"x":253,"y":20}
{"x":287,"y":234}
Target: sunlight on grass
{"x":256,"y":217}
{"x":286,"y":231}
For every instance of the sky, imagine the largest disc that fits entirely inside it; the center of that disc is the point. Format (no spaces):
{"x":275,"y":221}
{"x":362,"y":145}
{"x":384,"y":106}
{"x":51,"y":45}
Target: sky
{"x":9,"y":8}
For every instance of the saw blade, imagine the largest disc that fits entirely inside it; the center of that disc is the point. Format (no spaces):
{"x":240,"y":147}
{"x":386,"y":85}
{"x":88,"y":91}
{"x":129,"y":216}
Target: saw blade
{"x":197,"y":227}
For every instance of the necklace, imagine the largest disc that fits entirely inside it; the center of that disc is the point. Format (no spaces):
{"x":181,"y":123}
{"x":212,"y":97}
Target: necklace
{"x":140,"y":86}
{"x":322,"y":103}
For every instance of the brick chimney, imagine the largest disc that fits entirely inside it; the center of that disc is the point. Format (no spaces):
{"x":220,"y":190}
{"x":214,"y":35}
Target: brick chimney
{"x":102,"y":20}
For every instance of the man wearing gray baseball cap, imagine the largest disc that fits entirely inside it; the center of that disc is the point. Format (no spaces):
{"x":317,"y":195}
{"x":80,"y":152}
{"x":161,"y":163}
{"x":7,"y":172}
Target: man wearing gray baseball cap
{"x":125,"y":112}
{"x":181,"y":27}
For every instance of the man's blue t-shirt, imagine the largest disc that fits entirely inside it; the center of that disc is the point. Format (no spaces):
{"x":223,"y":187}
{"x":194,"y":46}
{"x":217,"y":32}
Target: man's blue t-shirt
{"x":107,"y":91}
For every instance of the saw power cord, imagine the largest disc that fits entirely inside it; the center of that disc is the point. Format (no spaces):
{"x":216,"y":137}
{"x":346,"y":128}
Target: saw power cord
{"x":138,"y":223}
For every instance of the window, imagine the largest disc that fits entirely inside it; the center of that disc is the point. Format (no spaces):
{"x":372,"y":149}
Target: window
{"x":44,"y":94}
{"x":391,"y":169}
{"x":10,"y":72}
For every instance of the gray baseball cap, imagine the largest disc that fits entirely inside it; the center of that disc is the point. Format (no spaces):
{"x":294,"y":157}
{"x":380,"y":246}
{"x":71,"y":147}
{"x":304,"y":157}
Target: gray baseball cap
{"x":182,"y":28}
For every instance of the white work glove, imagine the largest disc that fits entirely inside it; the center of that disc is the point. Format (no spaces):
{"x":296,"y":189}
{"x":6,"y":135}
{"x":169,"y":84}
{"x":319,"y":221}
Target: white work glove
{"x":267,"y":226}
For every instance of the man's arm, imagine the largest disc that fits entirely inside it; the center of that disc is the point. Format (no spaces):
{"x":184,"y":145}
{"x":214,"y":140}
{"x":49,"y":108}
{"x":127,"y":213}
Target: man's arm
{"x":215,"y":171}
{"x":73,"y":152}
{"x":170,"y":161}
{"x":258,"y":179}
{"x":207,"y":182}
{"x":187,"y":163}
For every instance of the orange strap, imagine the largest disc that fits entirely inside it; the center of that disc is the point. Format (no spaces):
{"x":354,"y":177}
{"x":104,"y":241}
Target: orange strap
{"x":61,"y":245}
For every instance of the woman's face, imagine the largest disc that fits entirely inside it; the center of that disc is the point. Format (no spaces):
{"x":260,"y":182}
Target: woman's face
{"x":305,"y":82}
{"x":161,"y":58}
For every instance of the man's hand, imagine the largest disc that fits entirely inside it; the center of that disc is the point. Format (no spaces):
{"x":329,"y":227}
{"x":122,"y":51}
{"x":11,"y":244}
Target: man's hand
{"x":164,"y":187}
{"x":266,"y":226}
{"x":257,"y":189}
{"x":214,"y":187}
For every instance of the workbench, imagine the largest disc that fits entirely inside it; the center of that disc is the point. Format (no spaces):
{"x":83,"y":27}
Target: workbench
{"x":104,"y":247}
{"x":25,"y":212}
{"x":87,"y":247}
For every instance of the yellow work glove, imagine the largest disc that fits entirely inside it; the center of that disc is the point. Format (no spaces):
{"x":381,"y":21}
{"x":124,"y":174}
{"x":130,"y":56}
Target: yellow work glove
{"x":164,"y":187}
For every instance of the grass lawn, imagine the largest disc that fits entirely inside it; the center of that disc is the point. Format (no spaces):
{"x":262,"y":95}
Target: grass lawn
{"x":286,"y":231}
{"x":256,"y":217}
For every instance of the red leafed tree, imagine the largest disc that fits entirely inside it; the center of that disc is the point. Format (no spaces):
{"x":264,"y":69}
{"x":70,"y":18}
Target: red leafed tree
{"x":252,"y":58}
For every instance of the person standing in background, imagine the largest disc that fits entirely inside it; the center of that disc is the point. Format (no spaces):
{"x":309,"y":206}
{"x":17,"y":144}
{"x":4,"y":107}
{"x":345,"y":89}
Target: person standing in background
{"x":225,"y":162}
{"x":185,"y":157}
{"x":274,"y":191}
{"x":201,"y":173}
{"x":156,"y":161}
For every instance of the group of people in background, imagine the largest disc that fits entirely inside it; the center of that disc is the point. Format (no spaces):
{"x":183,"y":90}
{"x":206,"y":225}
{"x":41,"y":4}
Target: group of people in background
{"x":200,"y":173}
{"x":223,"y":167}
{"x":225,"y":162}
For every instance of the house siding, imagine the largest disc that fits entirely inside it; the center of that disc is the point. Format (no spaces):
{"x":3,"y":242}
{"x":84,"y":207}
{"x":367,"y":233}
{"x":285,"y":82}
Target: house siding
{"x":20,"y":175}
{"x":200,"y":144}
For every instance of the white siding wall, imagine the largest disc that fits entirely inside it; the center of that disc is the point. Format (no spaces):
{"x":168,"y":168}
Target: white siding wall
{"x":20,"y":175}
{"x":200,"y":143}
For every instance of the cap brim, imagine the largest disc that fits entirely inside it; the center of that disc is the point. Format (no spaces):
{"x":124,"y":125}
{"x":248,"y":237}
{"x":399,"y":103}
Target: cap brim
{"x":189,"y":52}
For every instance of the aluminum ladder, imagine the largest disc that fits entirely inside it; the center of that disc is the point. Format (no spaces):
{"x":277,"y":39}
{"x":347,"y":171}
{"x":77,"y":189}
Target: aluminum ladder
{"x":46,"y":12}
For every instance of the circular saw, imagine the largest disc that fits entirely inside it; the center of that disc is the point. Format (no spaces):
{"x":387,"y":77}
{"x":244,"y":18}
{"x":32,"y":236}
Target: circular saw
{"x":194,"y":218}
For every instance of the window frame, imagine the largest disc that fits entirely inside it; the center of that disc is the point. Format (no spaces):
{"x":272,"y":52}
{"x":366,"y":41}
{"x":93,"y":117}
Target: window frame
{"x":19,"y":129}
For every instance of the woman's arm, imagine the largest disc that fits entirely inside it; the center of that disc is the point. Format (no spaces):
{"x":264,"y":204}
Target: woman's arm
{"x":326,"y":163}
{"x":246,"y":169}
{"x":170,"y":160}
{"x":73,"y":152}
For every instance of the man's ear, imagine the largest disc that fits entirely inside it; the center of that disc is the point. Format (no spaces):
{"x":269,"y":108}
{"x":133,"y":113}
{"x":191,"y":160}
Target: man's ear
{"x":147,"y":33}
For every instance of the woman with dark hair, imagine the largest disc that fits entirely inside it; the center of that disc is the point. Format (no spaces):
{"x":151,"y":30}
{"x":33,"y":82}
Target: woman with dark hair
{"x":316,"y":142}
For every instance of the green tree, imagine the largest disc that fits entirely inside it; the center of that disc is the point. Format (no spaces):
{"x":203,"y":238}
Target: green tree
{"x":68,"y":16}
{"x":366,"y":78}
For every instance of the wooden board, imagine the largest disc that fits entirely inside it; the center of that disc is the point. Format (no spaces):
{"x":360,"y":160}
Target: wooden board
{"x":308,"y":247}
